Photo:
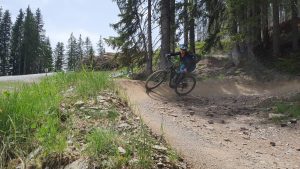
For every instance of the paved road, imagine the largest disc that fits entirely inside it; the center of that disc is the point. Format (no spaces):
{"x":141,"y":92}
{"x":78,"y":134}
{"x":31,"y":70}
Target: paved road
{"x":24,"y":78}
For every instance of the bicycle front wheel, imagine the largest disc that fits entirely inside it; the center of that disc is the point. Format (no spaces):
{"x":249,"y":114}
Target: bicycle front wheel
{"x":156,"y":79}
{"x":185,"y":85}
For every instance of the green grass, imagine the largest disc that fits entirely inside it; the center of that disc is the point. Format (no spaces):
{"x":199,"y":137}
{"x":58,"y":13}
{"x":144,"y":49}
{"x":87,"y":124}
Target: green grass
{"x":142,"y":143}
{"x":102,"y":142}
{"x":103,"y":147}
{"x":89,"y":84}
{"x":112,"y":114}
{"x":30,"y":116}
{"x":10,"y":86}
{"x":291,"y":109}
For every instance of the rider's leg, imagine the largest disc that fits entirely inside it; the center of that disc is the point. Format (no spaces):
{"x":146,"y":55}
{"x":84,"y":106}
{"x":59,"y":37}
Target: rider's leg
{"x":180,"y":73}
{"x":173,"y":79}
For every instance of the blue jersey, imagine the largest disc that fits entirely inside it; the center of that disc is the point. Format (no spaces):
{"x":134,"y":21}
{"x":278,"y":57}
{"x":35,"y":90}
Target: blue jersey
{"x":187,"y":63}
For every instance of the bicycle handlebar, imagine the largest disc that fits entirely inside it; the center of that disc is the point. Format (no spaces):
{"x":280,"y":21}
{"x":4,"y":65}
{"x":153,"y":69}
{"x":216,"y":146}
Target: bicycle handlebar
{"x":168,"y":57}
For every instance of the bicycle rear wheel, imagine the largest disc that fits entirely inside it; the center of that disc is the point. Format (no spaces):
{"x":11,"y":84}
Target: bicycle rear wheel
{"x":156,"y":79}
{"x":185,"y":85}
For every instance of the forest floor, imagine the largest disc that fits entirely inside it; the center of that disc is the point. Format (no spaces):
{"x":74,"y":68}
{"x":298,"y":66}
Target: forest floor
{"x":228,"y":121}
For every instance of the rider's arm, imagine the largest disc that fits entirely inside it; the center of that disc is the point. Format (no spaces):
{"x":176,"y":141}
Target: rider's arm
{"x":174,"y":54}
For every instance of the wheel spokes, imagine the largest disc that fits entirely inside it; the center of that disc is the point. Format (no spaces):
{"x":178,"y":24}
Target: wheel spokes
{"x":155,"y":79}
{"x":185,"y":86}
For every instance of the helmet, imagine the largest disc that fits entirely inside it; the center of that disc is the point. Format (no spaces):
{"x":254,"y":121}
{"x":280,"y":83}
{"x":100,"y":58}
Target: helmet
{"x":183,"y":47}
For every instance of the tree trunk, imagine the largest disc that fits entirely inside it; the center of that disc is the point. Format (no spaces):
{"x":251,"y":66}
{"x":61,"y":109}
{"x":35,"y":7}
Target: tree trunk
{"x":192,"y":25}
{"x":264,"y":23}
{"x":250,"y":28}
{"x":294,"y":24}
{"x":165,"y":32}
{"x":235,"y":53}
{"x":257,"y":14}
{"x":253,"y":29}
{"x":275,"y":28}
{"x":24,"y":65}
{"x":173,"y":26}
{"x":185,"y":22}
{"x":149,"y":32}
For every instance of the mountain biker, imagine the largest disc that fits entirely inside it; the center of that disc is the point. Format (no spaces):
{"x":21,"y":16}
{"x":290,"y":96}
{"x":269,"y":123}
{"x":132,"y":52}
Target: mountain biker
{"x":187,"y":62}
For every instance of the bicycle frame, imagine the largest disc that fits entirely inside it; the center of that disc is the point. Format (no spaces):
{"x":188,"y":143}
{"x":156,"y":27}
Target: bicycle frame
{"x":171,"y":69}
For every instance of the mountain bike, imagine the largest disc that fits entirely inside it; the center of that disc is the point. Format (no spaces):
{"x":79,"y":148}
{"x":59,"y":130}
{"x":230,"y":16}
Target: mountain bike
{"x":183,"y":83}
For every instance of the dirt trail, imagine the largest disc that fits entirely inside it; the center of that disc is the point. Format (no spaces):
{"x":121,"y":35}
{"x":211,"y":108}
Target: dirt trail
{"x":219,"y":125}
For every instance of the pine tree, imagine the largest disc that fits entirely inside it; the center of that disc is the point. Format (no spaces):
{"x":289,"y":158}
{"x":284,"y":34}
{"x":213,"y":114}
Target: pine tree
{"x":80,"y":46}
{"x":72,"y":52}
{"x":101,"y":49}
{"x":0,"y":39}
{"x":87,"y":47}
{"x":5,"y":36}
{"x":47,"y":55}
{"x":0,"y":14}
{"x":132,"y":31}
{"x":30,"y":45}
{"x":89,"y":52}
{"x":59,"y":56}
{"x":91,"y":57}
{"x":40,"y":25}
{"x":42,"y":41}
{"x":16,"y":43}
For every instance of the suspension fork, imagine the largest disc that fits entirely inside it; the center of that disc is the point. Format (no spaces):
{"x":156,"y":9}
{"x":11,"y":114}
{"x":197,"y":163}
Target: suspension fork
{"x":172,"y":73}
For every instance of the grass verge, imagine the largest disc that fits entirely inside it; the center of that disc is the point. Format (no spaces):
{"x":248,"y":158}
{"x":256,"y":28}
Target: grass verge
{"x":100,"y":126}
{"x":31,"y":116}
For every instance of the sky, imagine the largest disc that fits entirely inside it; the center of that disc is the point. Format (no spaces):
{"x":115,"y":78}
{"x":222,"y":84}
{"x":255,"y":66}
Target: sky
{"x":62,"y":17}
